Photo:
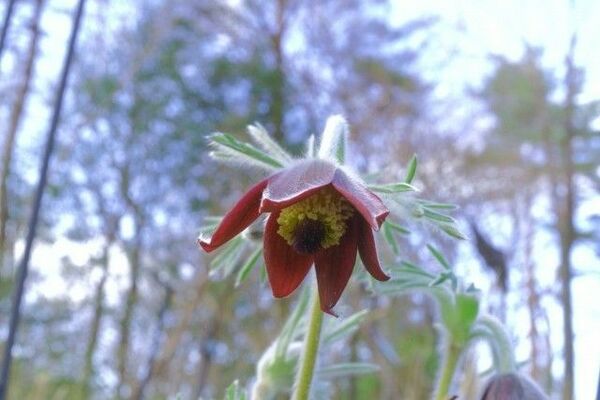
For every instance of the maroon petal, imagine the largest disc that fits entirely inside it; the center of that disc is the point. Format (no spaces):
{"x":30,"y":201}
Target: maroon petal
{"x":334,"y":267}
{"x":237,"y":219}
{"x":366,"y":202}
{"x":286,"y":268}
{"x":296,"y":183}
{"x":368,"y":251}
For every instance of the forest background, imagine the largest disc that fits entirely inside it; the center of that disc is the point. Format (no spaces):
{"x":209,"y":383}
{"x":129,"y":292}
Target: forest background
{"x":499,"y":100}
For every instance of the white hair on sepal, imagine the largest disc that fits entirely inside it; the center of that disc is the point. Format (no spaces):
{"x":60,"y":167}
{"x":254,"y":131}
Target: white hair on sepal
{"x":310,"y":151}
{"x":262,"y":138}
{"x":334,"y":141}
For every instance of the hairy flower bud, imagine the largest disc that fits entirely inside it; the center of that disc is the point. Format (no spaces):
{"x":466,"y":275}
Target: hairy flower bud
{"x":275,"y":375}
{"x":512,"y":386}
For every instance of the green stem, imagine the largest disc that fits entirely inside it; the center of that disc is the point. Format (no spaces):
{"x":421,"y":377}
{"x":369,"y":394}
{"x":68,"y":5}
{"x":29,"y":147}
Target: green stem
{"x":310,"y":349}
{"x":450,"y":361}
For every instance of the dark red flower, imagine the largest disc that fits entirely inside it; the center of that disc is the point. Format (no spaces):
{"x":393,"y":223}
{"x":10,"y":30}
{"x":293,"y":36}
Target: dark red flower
{"x":318,"y":214}
{"x":512,"y":386}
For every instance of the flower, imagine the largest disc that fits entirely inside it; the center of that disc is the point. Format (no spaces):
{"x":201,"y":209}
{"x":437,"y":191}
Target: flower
{"x":319,"y":214}
{"x":512,"y":386}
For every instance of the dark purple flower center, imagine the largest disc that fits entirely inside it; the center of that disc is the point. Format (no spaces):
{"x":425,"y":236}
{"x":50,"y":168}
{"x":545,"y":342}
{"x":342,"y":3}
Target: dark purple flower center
{"x":308,"y":236}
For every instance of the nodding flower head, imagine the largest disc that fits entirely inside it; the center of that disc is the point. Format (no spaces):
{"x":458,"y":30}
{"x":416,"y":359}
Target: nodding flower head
{"x":318,"y":214}
{"x":512,"y":386}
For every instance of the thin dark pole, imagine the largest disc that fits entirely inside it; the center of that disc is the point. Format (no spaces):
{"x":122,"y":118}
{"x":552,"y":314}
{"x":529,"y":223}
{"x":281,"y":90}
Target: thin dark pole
{"x":6,"y":24}
{"x":23,"y":267}
{"x":598,"y":391}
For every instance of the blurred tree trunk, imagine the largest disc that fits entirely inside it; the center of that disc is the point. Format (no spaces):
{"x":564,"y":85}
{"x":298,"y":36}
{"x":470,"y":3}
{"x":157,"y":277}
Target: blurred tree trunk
{"x":548,"y":380}
{"x":138,"y":391}
{"x":133,"y":259}
{"x":206,"y":355}
{"x":566,"y":225}
{"x":532,"y":295}
{"x":173,"y":336}
{"x":90,"y":350}
{"x":134,"y":255}
{"x":278,"y":92}
{"x":15,"y":121}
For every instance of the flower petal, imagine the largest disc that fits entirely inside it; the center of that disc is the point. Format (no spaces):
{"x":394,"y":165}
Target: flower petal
{"x":286,"y":268}
{"x":366,"y":202}
{"x":368,"y":251}
{"x":237,"y":219}
{"x":296,"y":183}
{"x":334,"y":267}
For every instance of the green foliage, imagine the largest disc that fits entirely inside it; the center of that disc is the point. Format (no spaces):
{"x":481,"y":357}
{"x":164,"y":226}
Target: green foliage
{"x":234,"y":392}
{"x":388,"y":229}
{"x":416,"y":345}
{"x":347,"y":369}
{"x":458,"y":318}
{"x":262,"y":138}
{"x":248,"y":266}
{"x":518,"y":94}
{"x":134,"y":147}
{"x":228,"y":258}
{"x":367,"y":386}
{"x":393,"y":188}
{"x":383,"y":74}
{"x":343,"y":329}
{"x":291,"y":328}
{"x":411,"y":170}
{"x":439,"y":257}
{"x":228,"y":148}
{"x":399,"y":195}
{"x":39,"y":384}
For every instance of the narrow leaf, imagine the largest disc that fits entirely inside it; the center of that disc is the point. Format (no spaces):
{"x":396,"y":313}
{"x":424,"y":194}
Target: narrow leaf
{"x":435,"y":216}
{"x":228,"y":257}
{"x":407,"y":268}
{"x":227,"y":146}
{"x":266,"y":142}
{"x":347,"y":369}
{"x":443,"y":277}
{"x":452,"y":231}
{"x":438,"y":206}
{"x":289,"y":329}
{"x":411,"y":170}
{"x":394,"y":188}
{"x":247,"y":267}
{"x":388,"y":234}
{"x":210,"y":224}
{"x":397,"y":227}
{"x":346,"y":327}
{"x":438,"y":256}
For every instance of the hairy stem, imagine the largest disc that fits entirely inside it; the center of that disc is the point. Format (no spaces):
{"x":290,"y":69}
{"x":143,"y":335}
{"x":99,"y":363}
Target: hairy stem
{"x":451,"y":356}
{"x":501,"y":344}
{"x":310,"y":349}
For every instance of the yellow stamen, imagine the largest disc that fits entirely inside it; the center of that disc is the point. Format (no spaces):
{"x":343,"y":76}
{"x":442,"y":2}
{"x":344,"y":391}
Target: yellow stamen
{"x":326,"y":206}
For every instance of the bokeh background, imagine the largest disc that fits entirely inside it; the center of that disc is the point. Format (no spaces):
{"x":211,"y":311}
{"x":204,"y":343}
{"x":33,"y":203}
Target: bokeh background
{"x":499,"y":100}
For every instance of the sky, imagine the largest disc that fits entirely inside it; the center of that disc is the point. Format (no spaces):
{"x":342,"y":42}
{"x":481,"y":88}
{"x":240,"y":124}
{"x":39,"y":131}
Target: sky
{"x":472,"y":30}
{"x":501,"y":28}
{"x":466,"y":34}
